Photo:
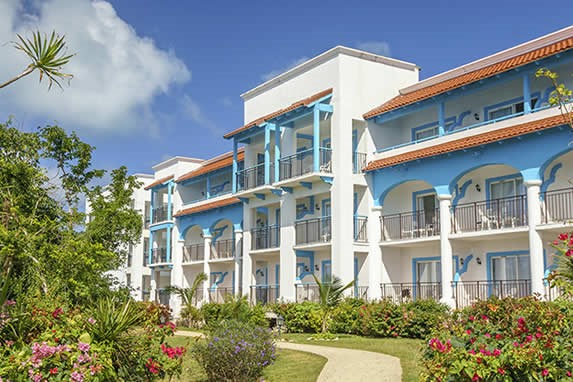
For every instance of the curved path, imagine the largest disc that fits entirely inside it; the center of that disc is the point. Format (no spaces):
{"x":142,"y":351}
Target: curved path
{"x":344,"y":364}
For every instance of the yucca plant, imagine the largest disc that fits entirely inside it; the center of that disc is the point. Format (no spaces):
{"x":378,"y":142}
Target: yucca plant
{"x":48,"y":55}
{"x":188,"y":294}
{"x":331,"y":294}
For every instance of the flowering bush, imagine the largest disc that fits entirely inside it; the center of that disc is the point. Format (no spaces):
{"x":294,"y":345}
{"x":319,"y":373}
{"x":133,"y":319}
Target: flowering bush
{"x":235,"y":351}
{"x":302,"y":317}
{"x":562,"y":276}
{"x":503,"y":340}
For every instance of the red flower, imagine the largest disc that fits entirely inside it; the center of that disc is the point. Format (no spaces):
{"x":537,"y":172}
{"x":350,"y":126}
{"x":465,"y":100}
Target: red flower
{"x":475,"y":377}
{"x":152,"y":366}
{"x":498,"y":336}
{"x":563,"y":236}
{"x":56,"y":313}
{"x":500,"y":371}
{"x":568,"y":373}
{"x":54,"y":371}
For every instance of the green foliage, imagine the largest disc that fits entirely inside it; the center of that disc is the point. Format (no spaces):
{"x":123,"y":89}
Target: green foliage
{"x":190,"y":315}
{"x":330,"y":294}
{"x":560,"y":96}
{"x":562,"y":276}
{"x":235,"y":351}
{"x":503,"y":340}
{"x":235,"y":308}
{"x":302,"y":317}
{"x":346,"y":315}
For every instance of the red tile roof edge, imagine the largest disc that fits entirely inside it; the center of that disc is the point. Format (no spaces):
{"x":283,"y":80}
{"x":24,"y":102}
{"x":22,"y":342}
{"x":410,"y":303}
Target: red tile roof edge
{"x":158,"y":182}
{"x":213,"y":164}
{"x":208,"y":206}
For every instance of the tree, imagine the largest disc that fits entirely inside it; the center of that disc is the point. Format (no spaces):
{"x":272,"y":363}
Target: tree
{"x":560,"y":96}
{"x":188,"y":294}
{"x":331,"y":294}
{"x":47,"y":56}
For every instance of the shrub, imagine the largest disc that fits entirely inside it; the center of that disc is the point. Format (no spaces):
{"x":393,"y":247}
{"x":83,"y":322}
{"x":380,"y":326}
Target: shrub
{"x":300,"y":317}
{"x":234,"y":308}
{"x":421,"y":317}
{"x":345,"y":316}
{"x":235,"y":351}
{"x":379,"y":319}
{"x":503,"y":340}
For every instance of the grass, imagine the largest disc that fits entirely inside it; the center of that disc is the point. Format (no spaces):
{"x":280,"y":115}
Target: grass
{"x":290,"y":365}
{"x":408,"y":350}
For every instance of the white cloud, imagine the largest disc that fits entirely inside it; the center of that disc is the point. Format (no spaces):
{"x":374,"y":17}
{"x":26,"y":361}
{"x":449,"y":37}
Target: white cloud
{"x":192,"y":111}
{"x":276,"y":72}
{"x":117,"y":73}
{"x":381,"y":48}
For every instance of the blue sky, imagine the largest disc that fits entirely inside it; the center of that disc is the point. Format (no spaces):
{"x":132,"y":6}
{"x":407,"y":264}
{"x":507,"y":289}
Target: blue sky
{"x":183,"y":64}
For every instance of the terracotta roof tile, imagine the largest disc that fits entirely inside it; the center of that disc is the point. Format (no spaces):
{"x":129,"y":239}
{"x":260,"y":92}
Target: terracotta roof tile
{"x":296,"y":105}
{"x":468,"y":142}
{"x":465,"y":79}
{"x":217,"y":163}
{"x":208,"y":206}
{"x":158,"y":182}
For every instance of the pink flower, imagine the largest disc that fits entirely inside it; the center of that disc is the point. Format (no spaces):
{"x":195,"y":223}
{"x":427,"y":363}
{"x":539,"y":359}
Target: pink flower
{"x":83,"y":347}
{"x":545,"y":372}
{"x":569,"y":373}
{"x":77,"y":376}
{"x":488,"y":335}
{"x":496,"y":352}
{"x":468,"y":332}
{"x":475,"y":377}
{"x":91,"y":320}
{"x":57,"y":313}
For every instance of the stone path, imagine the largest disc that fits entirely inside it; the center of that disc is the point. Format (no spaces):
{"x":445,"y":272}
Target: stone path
{"x":346,"y":365}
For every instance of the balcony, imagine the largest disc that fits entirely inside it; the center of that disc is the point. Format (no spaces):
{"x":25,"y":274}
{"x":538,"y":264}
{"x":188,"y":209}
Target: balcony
{"x":309,"y":292}
{"x":160,"y":214}
{"x":411,"y":225}
{"x":468,"y":292}
{"x":302,"y":163}
{"x":159,"y":256}
{"x":223,"y":249}
{"x":313,"y":231}
{"x":361,"y":229}
{"x":193,"y":252}
{"x":265,"y":237}
{"x":264,"y":294}
{"x":491,"y":214}
{"x":253,"y":177}
{"x":557,"y":206}
{"x":405,"y":292}
{"x":358,"y":162}
{"x":219,"y":295}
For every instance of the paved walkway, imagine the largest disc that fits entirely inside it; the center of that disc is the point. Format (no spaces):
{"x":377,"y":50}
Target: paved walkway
{"x":345,"y":364}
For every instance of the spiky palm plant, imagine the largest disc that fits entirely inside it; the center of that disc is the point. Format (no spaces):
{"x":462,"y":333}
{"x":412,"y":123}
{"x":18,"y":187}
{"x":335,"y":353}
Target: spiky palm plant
{"x":188,"y":294}
{"x":331,"y":294}
{"x":48,"y":55}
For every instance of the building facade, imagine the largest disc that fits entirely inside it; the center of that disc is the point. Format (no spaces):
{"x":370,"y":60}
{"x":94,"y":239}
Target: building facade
{"x":447,"y":188}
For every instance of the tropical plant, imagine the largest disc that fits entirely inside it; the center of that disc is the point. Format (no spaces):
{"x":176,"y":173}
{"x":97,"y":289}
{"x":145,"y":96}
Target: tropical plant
{"x":560,"y":96}
{"x":562,"y":275}
{"x":48,"y":55}
{"x":187,"y":295}
{"x":331,"y":294}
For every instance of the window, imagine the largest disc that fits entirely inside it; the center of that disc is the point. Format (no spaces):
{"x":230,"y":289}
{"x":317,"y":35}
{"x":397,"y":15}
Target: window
{"x":506,"y":268}
{"x":128,"y":280}
{"x":146,"y":214}
{"x":326,"y":272}
{"x":426,"y":207}
{"x":506,"y":188}
{"x":515,"y":108}
{"x":426,"y":133}
{"x":145,"y":251}
{"x":428,"y":271}
{"x":130,"y":255}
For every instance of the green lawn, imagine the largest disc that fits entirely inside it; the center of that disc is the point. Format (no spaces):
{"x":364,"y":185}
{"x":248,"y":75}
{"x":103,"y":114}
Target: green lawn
{"x":408,"y":350}
{"x":290,"y":365}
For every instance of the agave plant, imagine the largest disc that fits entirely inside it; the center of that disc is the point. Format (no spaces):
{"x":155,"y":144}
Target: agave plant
{"x":331,"y":294}
{"x":48,"y":55}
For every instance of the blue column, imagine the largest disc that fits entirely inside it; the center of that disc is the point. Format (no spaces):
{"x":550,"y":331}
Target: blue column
{"x":316,"y":138}
{"x":151,"y":204}
{"x":526,"y":94}
{"x":235,"y":166}
{"x":441,"y":118}
{"x":150,"y":251}
{"x":169,"y":192}
{"x":168,"y":244}
{"x":267,"y":154}
{"x":208,"y":186}
{"x":277,"y":151}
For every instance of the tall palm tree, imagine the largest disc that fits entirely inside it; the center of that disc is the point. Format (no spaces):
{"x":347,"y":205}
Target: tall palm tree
{"x":331,"y":294}
{"x":47,"y":55}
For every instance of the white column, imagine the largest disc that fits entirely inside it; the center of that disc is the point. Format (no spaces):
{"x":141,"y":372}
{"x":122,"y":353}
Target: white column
{"x":446,"y":249}
{"x":153,"y":286}
{"x":287,"y":261}
{"x":535,"y":241}
{"x":206,"y":266}
{"x":176,"y":272}
{"x":375,"y":254}
{"x":238,"y":256}
{"x":247,"y":274}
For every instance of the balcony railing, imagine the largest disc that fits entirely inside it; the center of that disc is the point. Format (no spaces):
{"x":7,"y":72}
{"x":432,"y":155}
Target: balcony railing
{"x":557,"y":206}
{"x":265,"y":237}
{"x":264,"y":294}
{"x":468,"y":292}
{"x":307,"y":292}
{"x":218,"y":295}
{"x":158,"y":255}
{"x":500,"y":213}
{"x":160,"y":214}
{"x":193,"y":252}
{"x":302,"y":163}
{"x":223,"y":249}
{"x":361,"y":292}
{"x":253,"y":177}
{"x":404,"y":292}
{"x":316,"y":230}
{"x":358,"y":162}
{"x":361,"y":229}
{"x":410,"y":225}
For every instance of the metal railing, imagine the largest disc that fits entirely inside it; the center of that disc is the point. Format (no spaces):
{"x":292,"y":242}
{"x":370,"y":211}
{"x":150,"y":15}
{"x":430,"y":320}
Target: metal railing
{"x":552,"y":293}
{"x":193,"y":252}
{"x":316,"y":230}
{"x":254,"y":177}
{"x":307,"y":292}
{"x":358,"y":162}
{"x":557,"y":206}
{"x":468,"y":292}
{"x":361,"y":292}
{"x":223,"y":249}
{"x":302,"y":163}
{"x":264,"y":294}
{"x":218,"y":295}
{"x":158,"y":255}
{"x":160,"y":214}
{"x":404,"y":292}
{"x":266,"y":237}
{"x":410,"y":225}
{"x":361,"y":229}
{"x":510,"y":212}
